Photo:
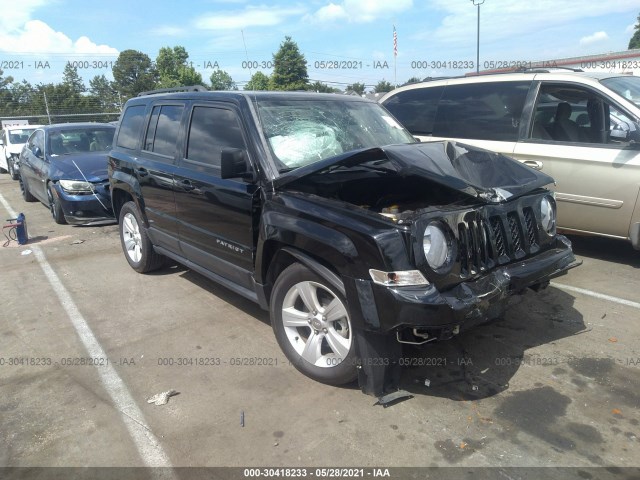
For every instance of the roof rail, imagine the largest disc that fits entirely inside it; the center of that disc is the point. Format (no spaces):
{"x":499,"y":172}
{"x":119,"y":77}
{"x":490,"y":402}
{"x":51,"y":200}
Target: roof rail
{"x":547,"y":70}
{"x":191,"y":88}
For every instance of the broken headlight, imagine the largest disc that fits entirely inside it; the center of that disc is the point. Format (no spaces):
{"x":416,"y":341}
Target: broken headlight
{"x":437,"y":246}
{"x":548,"y":215}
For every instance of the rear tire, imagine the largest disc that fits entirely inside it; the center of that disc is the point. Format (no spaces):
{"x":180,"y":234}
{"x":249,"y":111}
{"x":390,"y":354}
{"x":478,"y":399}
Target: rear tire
{"x":26,"y":194}
{"x":137,"y":248}
{"x":311,"y":323}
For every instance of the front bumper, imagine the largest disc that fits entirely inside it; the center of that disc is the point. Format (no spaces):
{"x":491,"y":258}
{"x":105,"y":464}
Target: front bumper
{"x":86,"y":209}
{"x":438,"y":315}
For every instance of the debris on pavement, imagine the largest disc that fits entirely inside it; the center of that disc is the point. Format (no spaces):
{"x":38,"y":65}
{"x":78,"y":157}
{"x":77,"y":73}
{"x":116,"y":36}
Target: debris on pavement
{"x":162,"y":398}
{"x":26,"y":252}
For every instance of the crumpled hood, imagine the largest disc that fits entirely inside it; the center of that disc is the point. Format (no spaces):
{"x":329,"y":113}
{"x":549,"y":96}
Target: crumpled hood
{"x":479,"y":173}
{"x":93,"y":166}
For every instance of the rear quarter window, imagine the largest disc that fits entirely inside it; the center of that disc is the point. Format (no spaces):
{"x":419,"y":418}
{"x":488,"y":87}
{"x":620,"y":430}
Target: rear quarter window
{"x":130,"y":127}
{"x":416,"y":108}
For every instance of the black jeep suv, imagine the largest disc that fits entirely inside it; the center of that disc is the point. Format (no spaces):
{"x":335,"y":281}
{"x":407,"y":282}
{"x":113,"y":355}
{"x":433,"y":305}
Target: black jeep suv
{"x":326,"y":211}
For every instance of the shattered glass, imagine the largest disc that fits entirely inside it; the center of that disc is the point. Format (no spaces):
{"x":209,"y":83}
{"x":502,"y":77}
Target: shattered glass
{"x":301,"y":132}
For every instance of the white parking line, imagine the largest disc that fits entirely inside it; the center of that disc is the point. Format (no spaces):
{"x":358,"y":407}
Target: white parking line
{"x":601,"y":296}
{"x":149,"y":448}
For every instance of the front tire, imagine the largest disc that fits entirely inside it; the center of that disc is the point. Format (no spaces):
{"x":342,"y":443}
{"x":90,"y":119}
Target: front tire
{"x":54,"y":205}
{"x":137,"y":248}
{"x":311,"y":323}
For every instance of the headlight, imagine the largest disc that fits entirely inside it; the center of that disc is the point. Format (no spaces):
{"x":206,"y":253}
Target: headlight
{"x":436,"y":246}
{"x":75,"y":186}
{"x":548,"y":216}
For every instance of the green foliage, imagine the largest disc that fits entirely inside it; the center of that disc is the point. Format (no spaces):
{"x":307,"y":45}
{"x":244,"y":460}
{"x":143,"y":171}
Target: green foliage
{"x":4,"y":81}
{"x":412,"y":80}
{"x":174,"y":70}
{"x":383,"y":86}
{"x":320,"y":87}
{"x":133,"y":73}
{"x":290,"y":68}
{"x":221,"y":80}
{"x":258,"y":81}
{"x":356,"y":87}
{"x":106,"y":94}
{"x":71,"y":78}
{"x":635,"y":39}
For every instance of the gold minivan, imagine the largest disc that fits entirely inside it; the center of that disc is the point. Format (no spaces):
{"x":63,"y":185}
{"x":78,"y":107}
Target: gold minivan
{"x":581,"y":128}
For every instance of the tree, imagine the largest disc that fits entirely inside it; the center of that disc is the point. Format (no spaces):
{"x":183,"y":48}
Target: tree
{"x":412,"y":80}
{"x":71,"y":78}
{"x":221,"y":80}
{"x":174,"y":70}
{"x":383,"y":86}
{"x":258,"y":81}
{"x":4,"y":81}
{"x":105,"y":92}
{"x":133,"y":73}
{"x":289,"y":68}
{"x":320,"y":87}
{"x":356,"y":87}
{"x":635,"y":39}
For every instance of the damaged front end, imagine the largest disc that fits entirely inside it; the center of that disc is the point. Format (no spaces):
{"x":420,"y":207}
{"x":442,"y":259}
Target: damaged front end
{"x":465,"y":230}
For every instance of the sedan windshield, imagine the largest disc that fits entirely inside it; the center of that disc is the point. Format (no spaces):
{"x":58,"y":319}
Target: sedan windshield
{"x":300,"y":132}
{"x":80,"y":140}
{"x":627,"y":86}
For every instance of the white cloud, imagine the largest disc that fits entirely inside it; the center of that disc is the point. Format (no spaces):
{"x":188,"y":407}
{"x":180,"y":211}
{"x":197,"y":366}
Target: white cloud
{"x":167,"y":31}
{"x":630,"y":29}
{"x":36,"y":36}
{"x":360,"y":11}
{"x":13,"y":18}
{"x":249,"y":17}
{"x":498,"y":20}
{"x":595,"y":38}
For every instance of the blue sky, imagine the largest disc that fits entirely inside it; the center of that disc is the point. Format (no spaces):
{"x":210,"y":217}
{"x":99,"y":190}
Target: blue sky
{"x":353,"y":33}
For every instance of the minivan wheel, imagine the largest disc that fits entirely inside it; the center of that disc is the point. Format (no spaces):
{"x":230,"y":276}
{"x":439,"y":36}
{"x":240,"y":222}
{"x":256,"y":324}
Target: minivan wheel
{"x":54,"y":205}
{"x":311,"y":323}
{"x":136,"y":245}
{"x":26,"y":194}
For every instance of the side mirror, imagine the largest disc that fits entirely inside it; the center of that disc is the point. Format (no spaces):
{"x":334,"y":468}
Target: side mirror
{"x":1,"y":142}
{"x":234,"y":164}
{"x":37,"y":152}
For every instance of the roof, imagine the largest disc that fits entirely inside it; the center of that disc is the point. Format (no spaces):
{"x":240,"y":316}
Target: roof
{"x":62,"y":126}
{"x":248,"y":95}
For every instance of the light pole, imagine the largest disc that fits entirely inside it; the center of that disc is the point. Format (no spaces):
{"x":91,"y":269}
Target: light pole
{"x":478,"y":3}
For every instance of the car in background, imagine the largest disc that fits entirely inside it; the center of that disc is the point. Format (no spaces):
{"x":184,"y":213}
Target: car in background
{"x":581,"y":128}
{"x":65,"y":167}
{"x":12,"y":139}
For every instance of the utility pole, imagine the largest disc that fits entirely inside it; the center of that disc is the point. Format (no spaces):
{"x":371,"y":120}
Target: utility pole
{"x":478,"y":3}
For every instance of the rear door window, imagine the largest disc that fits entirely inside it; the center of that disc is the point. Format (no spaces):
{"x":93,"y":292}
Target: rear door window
{"x":481,"y":111}
{"x":163,"y":130}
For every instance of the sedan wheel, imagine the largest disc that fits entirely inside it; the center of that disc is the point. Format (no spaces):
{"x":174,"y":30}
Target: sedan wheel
{"x":24,"y":189}
{"x":12,"y":169}
{"x":54,"y":205}
{"x":312,"y":326}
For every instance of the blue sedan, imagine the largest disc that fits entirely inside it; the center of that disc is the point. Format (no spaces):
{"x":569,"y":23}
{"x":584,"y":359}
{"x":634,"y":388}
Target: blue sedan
{"x":65,"y":167}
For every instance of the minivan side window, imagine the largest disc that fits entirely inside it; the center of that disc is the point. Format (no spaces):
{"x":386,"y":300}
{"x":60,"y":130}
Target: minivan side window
{"x":211,"y":130}
{"x":416,"y":108}
{"x":481,"y":111}
{"x":130,"y":127}
{"x":571,"y":114}
{"x":163,"y":129}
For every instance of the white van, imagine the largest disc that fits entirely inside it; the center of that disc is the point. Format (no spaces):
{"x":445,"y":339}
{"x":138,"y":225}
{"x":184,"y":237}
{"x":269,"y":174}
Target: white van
{"x":12,"y":139}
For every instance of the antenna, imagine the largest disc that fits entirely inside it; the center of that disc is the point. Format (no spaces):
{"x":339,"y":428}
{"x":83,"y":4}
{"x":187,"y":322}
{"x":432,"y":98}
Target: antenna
{"x":246,"y":53}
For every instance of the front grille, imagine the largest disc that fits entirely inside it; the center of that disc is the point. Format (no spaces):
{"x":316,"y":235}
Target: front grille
{"x":514,"y":234}
{"x":530,"y":222}
{"x":475,"y":253}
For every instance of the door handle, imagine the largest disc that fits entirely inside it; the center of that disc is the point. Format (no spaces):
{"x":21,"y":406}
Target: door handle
{"x":142,"y":172}
{"x":534,"y":164}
